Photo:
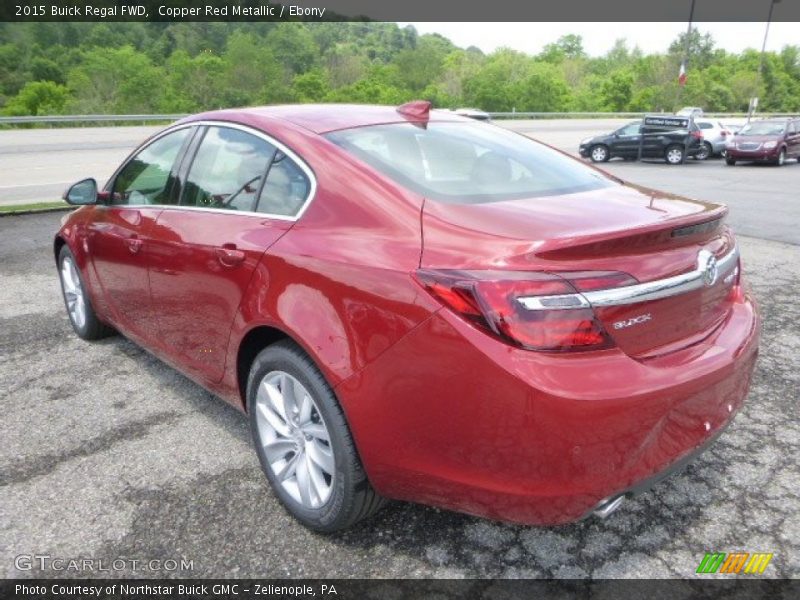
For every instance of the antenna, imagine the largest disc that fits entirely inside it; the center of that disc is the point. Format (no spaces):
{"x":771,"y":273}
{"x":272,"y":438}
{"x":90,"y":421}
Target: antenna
{"x":418,"y":109}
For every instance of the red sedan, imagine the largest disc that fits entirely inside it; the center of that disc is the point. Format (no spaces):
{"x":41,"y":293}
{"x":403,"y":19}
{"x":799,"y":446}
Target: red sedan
{"x":414,"y":305}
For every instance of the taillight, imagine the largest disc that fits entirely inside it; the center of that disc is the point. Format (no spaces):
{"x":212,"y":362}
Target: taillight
{"x":537,"y":311}
{"x":725,"y":133}
{"x":697,"y":134}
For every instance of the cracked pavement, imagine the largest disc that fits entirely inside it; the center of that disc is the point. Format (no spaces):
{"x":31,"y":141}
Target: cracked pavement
{"x":108,"y":453}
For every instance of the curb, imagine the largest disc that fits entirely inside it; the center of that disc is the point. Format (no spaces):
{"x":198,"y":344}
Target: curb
{"x":34,"y":211}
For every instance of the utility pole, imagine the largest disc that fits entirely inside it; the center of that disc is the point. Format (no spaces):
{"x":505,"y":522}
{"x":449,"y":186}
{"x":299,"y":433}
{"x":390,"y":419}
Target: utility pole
{"x":685,"y":62}
{"x":754,"y":101}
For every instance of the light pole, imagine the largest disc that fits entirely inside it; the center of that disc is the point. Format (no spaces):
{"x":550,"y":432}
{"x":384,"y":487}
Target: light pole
{"x":754,"y":101}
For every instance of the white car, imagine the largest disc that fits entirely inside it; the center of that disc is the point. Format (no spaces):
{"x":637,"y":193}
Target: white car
{"x":715,"y":134}
{"x":473,"y":113}
{"x":690,"y":111}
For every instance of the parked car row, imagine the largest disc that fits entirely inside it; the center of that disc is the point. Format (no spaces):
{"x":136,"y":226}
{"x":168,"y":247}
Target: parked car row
{"x":768,"y":140}
{"x":667,"y":137}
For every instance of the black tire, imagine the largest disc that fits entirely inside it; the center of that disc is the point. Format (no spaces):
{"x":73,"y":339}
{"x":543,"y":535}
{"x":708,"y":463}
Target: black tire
{"x":674,"y":150}
{"x":730,"y":161}
{"x":599,"y":153}
{"x":781,"y":160}
{"x":705,"y":152}
{"x":352,"y":498}
{"x":90,"y":327}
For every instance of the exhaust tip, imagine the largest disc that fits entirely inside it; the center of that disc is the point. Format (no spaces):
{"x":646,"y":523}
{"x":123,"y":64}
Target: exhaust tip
{"x":608,"y":506}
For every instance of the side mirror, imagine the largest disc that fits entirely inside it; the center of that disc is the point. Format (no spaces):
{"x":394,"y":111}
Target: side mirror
{"x":82,"y":193}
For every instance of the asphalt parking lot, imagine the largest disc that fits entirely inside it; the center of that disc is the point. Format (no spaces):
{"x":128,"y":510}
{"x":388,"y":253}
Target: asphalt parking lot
{"x":107,"y":453}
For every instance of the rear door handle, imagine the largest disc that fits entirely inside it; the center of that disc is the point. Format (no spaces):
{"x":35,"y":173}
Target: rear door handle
{"x":134,"y":244}
{"x":229,"y":256}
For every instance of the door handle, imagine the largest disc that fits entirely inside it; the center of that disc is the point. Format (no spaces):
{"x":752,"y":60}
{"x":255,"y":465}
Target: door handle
{"x":229,"y":256}
{"x":134,"y":244}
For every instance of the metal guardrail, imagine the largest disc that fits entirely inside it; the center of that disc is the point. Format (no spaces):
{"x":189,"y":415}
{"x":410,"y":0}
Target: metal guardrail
{"x":622,"y":115}
{"x":84,"y":119}
{"x":87,"y":118}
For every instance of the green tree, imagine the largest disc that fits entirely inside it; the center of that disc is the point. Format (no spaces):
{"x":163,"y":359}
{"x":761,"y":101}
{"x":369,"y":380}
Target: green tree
{"x":617,"y":91}
{"x":38,"y":98}
{"x":116,"y":81}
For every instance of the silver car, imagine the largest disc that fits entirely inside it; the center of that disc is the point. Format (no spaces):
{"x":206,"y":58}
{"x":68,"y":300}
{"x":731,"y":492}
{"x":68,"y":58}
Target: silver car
{"x":714,"y":136}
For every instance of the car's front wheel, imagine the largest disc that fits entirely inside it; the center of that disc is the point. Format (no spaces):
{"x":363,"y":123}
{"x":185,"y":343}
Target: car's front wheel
{"x":781,"y":160}
{"x":730,"y":161}
{"x":79,"y":307}
{"x":303,"y":441}
{"x":674,"y":154}
{"x":599,"y":153}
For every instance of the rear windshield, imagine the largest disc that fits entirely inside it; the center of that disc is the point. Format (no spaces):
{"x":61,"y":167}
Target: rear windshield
{"x":467,"y":163}
{"x":763,"y":128}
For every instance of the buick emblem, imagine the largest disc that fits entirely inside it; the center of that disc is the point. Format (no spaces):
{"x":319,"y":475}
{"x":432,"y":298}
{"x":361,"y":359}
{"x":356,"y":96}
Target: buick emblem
{"x":710,"y":270}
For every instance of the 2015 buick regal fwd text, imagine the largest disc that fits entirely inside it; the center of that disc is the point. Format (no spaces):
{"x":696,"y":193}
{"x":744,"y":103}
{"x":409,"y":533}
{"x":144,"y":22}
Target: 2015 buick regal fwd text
{"x":412,"y":305}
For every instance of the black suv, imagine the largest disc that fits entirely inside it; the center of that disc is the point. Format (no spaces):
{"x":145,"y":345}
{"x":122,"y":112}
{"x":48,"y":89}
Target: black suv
{"x":659,"y":136}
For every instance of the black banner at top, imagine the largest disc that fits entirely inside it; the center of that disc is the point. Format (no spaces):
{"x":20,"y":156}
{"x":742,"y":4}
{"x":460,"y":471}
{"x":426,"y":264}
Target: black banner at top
{"x":400,"y":10}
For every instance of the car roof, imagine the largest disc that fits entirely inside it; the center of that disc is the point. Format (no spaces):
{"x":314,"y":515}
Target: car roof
{"x":323,"y":118}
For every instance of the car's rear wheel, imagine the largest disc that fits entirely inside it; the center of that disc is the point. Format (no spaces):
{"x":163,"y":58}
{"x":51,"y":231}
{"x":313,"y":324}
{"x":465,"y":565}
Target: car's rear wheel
{"x":705,"y":151}
{"x":781,"y":160}
{"x":599,"y":153}
{"x":303,"y":441}
{"x":674,"y":154}
{"x":79,"y":307}
{"x":730,"y":161}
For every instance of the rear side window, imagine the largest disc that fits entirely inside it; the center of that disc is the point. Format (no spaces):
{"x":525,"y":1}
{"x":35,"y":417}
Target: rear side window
{"x":285,"y":189}
{"x":467,"y":163}
{"x":146,"y":179}
{"x":228,"y":170}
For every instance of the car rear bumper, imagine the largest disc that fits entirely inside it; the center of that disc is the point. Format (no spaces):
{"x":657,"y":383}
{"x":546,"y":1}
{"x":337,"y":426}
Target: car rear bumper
{"x":453,"y":418}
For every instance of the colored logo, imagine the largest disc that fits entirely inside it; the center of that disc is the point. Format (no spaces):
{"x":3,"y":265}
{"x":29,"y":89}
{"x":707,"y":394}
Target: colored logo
{"x":735,"y":562}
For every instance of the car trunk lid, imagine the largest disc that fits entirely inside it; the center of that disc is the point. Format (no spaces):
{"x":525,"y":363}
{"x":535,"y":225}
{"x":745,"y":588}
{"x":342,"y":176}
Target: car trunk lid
{"x":653,"y":237}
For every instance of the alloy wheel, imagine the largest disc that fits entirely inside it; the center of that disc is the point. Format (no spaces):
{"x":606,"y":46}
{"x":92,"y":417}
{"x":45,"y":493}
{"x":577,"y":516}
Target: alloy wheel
{"x":73,"y":292}
{"x":599,"y":153}
{"x":674,"y":156}
{"x":295,"y":439}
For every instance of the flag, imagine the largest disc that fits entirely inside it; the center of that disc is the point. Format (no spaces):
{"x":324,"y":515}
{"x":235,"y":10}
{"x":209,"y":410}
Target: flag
{"x":682,"y":74}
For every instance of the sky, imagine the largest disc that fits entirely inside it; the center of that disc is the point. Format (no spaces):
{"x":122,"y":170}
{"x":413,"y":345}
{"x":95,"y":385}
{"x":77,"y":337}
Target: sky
{"x":598,"y":38}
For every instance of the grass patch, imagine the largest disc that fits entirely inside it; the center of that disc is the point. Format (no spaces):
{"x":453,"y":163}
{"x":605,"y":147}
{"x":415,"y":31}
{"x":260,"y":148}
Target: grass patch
{"x":33,"y":206}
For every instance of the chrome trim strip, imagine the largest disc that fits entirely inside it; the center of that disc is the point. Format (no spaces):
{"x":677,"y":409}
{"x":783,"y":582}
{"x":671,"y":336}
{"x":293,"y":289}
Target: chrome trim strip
{"x":562,"y":302}
{"x":664,"y":288}
{"x":642,"y":292}
{"x":312,"y":179}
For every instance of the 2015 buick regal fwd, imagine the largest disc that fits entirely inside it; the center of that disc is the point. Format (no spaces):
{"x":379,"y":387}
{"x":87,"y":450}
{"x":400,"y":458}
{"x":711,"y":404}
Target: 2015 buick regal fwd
{"x":410,"y":304}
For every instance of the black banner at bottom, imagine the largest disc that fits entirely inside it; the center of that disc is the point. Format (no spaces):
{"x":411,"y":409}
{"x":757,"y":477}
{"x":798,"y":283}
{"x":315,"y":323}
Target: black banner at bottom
{"x":396,"y":589}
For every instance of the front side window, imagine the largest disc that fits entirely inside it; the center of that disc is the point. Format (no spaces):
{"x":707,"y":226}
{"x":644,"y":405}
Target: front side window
{"x":228,"y":170}
{"x":467,"y":163}
{"x":146,"y":179}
